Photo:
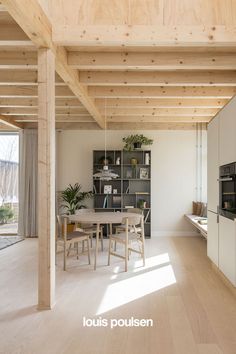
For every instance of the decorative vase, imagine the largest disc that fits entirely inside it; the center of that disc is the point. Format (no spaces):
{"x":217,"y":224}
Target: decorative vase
{"x":133,"y":161}
{"x":147,"y":159}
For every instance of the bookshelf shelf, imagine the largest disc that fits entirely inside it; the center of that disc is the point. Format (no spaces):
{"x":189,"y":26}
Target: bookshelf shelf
{"x":133,"y":187}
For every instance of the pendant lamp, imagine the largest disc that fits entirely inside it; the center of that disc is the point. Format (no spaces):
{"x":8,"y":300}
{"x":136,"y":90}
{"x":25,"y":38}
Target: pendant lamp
{"x":105,"y":174}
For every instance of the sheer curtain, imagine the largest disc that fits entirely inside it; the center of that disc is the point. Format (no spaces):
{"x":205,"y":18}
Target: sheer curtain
{"x":28,"y":174}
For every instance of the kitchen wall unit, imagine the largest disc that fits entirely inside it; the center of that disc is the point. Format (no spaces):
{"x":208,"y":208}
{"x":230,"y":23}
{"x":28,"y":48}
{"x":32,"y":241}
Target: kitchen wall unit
{"x":221,"y":235}
{"x":227,"y":133}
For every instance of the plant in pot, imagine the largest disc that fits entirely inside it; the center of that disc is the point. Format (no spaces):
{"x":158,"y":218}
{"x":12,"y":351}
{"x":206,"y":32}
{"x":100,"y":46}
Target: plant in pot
{"x":136,"y":141}
{"x":72,"y":199}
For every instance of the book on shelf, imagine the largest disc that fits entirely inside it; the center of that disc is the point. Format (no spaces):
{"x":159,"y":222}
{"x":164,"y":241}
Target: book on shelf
{"x":147,"y":215}
{"x":105,"y":202}
{"x":94,"y":189}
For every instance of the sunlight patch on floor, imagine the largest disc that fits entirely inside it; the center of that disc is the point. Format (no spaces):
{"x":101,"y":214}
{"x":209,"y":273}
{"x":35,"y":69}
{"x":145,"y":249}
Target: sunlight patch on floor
{"x":151,"y":262}
{"x":122,"y":292}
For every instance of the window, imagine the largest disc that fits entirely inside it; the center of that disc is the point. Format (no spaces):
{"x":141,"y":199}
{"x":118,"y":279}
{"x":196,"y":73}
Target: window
{"x":9,"y":172}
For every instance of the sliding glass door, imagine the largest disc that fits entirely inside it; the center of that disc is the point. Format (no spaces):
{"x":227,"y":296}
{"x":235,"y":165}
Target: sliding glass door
{"x":9,"y":182}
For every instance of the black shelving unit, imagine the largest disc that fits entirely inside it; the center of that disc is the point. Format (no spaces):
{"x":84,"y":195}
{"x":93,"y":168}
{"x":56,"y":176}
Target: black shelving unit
{"x":131,"y":189}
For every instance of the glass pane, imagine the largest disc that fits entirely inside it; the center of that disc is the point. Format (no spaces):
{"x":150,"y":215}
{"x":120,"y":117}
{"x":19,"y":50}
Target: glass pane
{"x":9,"y":171}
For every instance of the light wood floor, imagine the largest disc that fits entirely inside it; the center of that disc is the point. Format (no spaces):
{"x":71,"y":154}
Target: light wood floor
{"x":192,"y":310}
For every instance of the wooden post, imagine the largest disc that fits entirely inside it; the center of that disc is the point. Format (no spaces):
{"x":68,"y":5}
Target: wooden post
{"x":46,"y":178}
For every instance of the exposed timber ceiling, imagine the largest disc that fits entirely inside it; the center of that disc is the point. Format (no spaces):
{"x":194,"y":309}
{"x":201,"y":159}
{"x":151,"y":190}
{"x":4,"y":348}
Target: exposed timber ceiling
{"x":166,"y":76}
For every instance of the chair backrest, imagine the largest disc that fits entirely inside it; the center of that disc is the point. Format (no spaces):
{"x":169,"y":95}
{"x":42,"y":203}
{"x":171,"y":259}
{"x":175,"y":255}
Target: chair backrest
{"x":59,"y":226}
{"x":132,"y":221}
{"x":84,"y":211}
{"x":135,"y":211}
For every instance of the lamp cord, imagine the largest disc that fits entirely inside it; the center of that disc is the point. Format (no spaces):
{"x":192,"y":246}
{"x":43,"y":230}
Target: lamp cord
{"x":105,"y":131}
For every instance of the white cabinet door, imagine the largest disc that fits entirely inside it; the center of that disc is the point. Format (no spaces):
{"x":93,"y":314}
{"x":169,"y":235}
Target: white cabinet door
{"x":227,"y":133}
{"x":213,"y":164}
{"x":227,"y":248}
{"x":213,"y":237}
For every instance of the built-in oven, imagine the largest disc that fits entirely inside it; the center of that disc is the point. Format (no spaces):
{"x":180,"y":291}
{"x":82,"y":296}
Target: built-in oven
{"x":227,"y":180}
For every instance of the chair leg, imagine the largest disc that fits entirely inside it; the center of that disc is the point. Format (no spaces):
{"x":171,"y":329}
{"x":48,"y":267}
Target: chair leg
{"x":89,"y":261}
{"x":126,"y":257}
{"x":69,"y":249}
{"x":143,"y":254}
{"x":109,"y":252}
{"x":82,"y":246}
{"x":101,"y":234}
{"x":64,"y":267}
{"x":77,"y":250}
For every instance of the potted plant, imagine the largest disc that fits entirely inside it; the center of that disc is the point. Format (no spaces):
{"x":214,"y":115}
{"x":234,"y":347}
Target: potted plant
{"x":72,"y":198}
{"x":136,"y":141}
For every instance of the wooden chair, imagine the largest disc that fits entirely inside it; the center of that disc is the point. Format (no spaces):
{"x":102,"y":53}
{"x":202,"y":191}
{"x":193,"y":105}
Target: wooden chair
{"x":90,"y":228}
{"x":127,"y":239}
{"x":121,"y":228}
{"x":71,"y":238}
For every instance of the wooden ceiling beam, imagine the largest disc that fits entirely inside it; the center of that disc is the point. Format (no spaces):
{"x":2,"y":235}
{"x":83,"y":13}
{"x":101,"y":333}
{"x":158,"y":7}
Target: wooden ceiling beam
{"x":163,"y":119}
{"x":22,"y":77}
{"x":161,"y":111}
{"x":62,"y":118}
{"x":9,"y":121}
{"x":144,"y":35}
{"x":80,"y":111}
{"x":155,"y":92}
{"x":16,"y":45}
{"x":122,"y":126}
{"x":37,"y":26}
{"x":161,"y":102}
{"x":33,"y":102}
{"x":31,"y":91}
{"x":18,"y":60}
{"x":153,"y":126}
{"x":112,"y":103}
{"x":161,"y":78}
{"x":152,"y":61}
{"x":68,"y":125}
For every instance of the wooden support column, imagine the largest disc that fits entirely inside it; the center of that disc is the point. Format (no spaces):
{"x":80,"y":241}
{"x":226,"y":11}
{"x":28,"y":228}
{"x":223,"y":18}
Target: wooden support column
{"x":46,"y":178}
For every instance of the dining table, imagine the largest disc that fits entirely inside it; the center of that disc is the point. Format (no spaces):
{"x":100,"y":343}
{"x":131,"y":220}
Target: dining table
{"x":99,"y":218}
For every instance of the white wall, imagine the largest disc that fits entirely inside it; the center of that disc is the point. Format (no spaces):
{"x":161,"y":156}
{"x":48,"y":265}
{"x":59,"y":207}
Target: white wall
{"x":173,"y":171}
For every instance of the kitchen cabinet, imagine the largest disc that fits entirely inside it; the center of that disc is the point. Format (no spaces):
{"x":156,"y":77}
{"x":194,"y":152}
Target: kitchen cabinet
{"x":227,"y":129}
{"x":221,"y":237}
{"x":213,"y":237}
{"x":213,"y":164}
{"x":227,"y":248}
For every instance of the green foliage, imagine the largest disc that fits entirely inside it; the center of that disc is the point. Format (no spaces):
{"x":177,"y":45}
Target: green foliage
{"x":130,"y":140}
{"x":6,"y":214}
{"x":73,"y":197}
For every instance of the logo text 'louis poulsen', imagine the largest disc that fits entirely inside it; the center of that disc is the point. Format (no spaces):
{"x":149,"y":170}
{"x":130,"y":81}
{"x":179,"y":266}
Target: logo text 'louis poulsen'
{"x":120,"y":322}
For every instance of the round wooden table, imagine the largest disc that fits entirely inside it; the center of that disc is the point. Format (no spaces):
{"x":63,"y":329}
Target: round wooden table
{"x":100,"y":218}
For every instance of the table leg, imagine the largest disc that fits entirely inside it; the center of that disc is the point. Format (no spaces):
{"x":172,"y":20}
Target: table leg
{"x":96,"y":246}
